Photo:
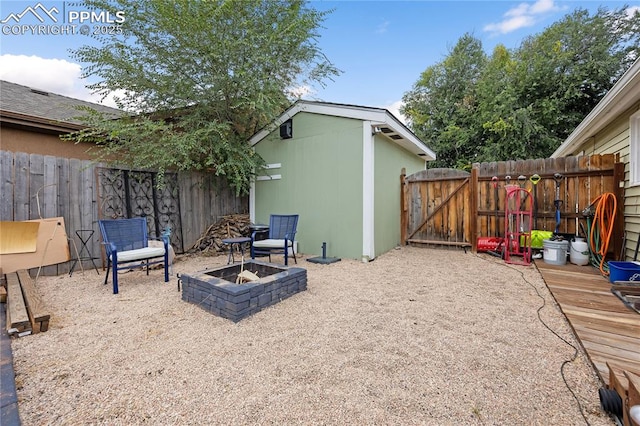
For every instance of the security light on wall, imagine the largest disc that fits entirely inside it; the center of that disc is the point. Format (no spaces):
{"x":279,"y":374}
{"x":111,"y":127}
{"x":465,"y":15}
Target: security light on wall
{"x":286,"y":129}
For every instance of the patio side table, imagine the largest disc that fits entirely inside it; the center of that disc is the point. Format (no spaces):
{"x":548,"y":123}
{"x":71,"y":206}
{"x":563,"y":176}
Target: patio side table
{"x":239,"y":241}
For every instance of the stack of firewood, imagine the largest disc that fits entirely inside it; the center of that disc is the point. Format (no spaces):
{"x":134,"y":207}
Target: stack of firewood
{"x":230,"y":226}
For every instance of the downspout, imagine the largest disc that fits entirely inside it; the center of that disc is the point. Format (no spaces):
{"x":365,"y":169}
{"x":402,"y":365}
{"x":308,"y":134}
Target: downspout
{"x":252,"y":201}
{"x":368,"y":229}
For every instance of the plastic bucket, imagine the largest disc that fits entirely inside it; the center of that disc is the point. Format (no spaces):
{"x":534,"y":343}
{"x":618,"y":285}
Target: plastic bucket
{"x":555,"y":252}
{"x":579,"y":252}
{"x":624,"y":271}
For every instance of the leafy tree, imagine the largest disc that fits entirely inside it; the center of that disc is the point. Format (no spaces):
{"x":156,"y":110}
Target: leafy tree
{"x":527,"y":101}
{"x":505,"y":123}
{"x":565,"y":71}
{"x":200,"y":78}
{"x":442,"y":103}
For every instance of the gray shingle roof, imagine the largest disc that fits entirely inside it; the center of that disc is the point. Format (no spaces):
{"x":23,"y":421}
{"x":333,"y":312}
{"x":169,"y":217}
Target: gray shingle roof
{"x":29,"y":101}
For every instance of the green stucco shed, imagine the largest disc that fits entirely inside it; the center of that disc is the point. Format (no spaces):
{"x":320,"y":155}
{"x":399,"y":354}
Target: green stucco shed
{"x":338,"y":167}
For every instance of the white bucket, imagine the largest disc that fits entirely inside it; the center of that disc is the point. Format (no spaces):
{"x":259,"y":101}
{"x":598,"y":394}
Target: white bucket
{"x":555,"y":252}
{"x":579,"y":252}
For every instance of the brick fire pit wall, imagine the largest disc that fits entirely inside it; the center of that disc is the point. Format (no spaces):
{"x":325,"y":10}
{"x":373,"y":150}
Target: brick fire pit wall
{"x":216,"y":291}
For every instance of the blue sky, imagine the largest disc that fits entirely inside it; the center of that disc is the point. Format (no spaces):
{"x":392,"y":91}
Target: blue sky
{"x":381,"y":46}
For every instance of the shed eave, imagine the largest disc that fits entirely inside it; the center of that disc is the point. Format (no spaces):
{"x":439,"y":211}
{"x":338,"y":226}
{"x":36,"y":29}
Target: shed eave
{"x":383,"y":118}
{"x":397,"y":132}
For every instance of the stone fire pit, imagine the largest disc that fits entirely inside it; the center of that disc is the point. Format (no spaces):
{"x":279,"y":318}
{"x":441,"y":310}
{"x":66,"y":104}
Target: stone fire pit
{"x":216,"y":291}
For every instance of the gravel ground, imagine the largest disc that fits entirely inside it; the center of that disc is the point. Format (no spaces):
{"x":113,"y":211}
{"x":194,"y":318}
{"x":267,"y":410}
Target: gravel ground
{"x":417,"y":337}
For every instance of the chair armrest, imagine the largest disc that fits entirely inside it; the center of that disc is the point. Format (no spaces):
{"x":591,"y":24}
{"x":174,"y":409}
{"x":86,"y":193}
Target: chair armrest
{"x":291,"y":236}
{"x":110,"y":247}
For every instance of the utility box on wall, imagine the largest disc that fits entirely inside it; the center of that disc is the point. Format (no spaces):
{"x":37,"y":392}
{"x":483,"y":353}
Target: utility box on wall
{"x":286,"y":129}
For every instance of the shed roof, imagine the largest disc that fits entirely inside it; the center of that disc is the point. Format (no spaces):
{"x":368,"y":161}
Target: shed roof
{"x":622,"y":96}
{"x":381,"y":119}
{"x":22,"y":104}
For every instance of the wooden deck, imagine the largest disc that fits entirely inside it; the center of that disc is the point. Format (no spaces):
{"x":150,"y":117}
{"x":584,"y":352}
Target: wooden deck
{"x":608,"y":330}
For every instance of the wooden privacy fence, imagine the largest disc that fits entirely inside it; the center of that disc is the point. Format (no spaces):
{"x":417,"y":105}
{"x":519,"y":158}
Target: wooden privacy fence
{"x":39,"y":186}
{"x":454,"y":207}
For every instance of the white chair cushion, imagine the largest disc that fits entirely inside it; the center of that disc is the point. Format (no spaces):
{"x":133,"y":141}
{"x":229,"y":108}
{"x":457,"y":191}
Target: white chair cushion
{"x":157,"y":243}
{"x":139,"y":254}
{"x":272,"y":243}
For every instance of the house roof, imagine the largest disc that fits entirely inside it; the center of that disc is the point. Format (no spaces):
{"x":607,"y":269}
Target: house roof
{"x":622,"y":96}
{"x":382,"y":121}
{"x":23,"y":105}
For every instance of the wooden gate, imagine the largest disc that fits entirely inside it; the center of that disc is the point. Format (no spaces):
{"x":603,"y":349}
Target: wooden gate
{"x":436,"y":206}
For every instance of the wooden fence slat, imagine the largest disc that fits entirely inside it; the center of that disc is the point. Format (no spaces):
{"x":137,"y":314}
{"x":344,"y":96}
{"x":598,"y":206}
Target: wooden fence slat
{"x":49,"y":193}
{"x":21,"y":187}
{"x":596,"y":183}
{"x":62,"y":203}
{"x":7,"y":183}
{"x":74,"y":219}
{"x":36,"y":185}
{"x":88,"y":211}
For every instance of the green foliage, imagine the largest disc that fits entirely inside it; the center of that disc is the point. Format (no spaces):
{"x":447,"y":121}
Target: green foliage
{"x":443,"y":102}
{"x":522,"y":103}
{"x":199,"y":78}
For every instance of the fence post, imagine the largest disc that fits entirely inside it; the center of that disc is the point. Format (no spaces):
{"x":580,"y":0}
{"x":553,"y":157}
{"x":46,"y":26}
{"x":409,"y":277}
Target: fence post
{"x":473,"y":212}
{"x":403,"y":207}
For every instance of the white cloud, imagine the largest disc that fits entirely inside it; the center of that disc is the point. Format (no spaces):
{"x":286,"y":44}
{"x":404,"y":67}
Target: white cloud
{"x":382,"y":28}
{"x":57,"y":76}
{"x":519,"y":10}
{"x":394,"y":108}
{"x":543,"y":6}
{"x":522,"y":16}
{"x":301,"y":91}
{"x":632,"y":10}
{"x":509,"y":25}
